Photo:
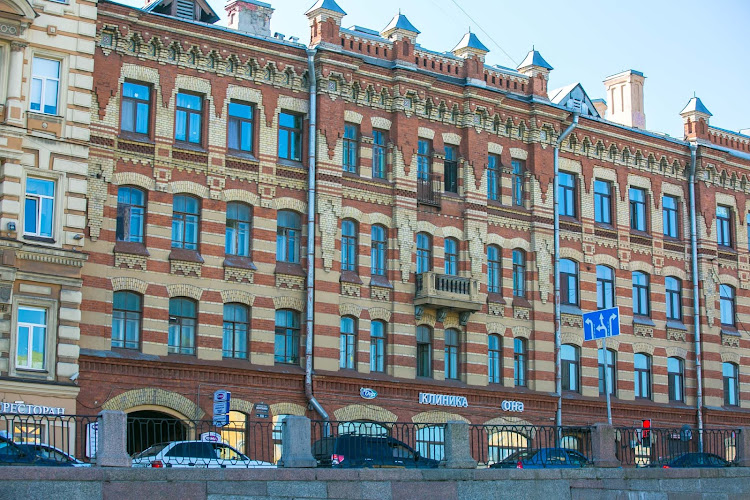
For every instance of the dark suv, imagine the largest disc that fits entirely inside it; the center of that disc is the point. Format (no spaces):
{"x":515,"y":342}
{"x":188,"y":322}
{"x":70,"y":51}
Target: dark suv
{"x":368,"y":451}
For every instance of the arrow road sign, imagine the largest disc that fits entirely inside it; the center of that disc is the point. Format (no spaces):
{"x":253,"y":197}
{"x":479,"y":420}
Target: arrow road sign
{"x":601,"y":324}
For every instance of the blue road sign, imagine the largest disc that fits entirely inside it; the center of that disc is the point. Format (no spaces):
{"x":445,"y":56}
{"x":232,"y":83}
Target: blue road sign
{"x":601,"y":324}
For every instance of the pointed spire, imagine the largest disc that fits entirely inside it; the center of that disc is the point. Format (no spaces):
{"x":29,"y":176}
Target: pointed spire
{"x":534,"y":58}
{"x":329,"y":5}
{"x":400,"y":25}
{"x":470,"y":45}
{"x":695,"y":105}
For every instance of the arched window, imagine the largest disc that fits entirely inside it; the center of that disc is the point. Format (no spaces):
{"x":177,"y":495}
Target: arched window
{"x":605,"y":287}
{"x":726,"y":304}
{"x":239,"y":223}
{"x":494,"y":359}
{"x":673,"y":289}
{"x":126,"y":320}
{"x":424,"y":351}
{"x":131,"y":208}
{"x":348,"y":339}
{"x":494,"y":269}
{"x":363,"y":428}
{"x":519,"y":273}
{"x":571,"y":368}
{"x":234,"y":433}
{"x":348,"y":245}
{"x":377,"y":346}
{"x":182,"y":324}
{"x":185,"y":222}
{"x":642,"y":375}
{"x":676,"y":379}
{"x":503,"y":443}
{"x":731,"y":375}
{"x":286,"y":347}
{"x":519,"y":362}
{"x":451,"y":354}
{"x":378,"y":250}
{"x":451,"y":256}
{"x":641,"y":300}
{"x":611,"y":371}
{"x":236,"y":327}
{"x":569,"y":282}
{"x":424,"y":253}
{"x":288,"y":235}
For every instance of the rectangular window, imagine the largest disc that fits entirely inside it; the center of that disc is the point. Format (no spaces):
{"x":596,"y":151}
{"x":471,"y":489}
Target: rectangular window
{"x":424,"y":352}
{"x":676,"y":379}
{"x":673,"y":289}
{"x":31,"y":342}
{"x":188,"y":118}
{"x":494,"y":360}
{"x":45,"y":85}
{"x":641,"y":300}
{"x":519,"y":362}
{"x":131,"y":207}
{"x":378,"y":250}
{"x":378,"y":154}
{"x":605,"y":287}
{"x":126,"y":320}
{"x":571,"y":368}
{"x":602,"y":202}
{"x":730,"y":373}
{"x":638,"y":209}
{"x":669,"y":214}
{"x":518,"y":168}
{"x":642,"y":368}
{"x":519,"y":273}
{"x":347,"y":350}
{"x":236,"y":328}
{"x":611,"y":372}
{"x":451,"y":354}
{"x":724,"y":226}
{"x":286,"y":348}
{"x":135,"y":112}
{"x":39,"y":207}
{"x":493,"y":177}
{"x":450,"y":169}
{"x":240,"y":127}
{"x":567,"y":194}
{"x":494,"y":269}
{"x":726,"y":305}
{"x":290,"y":137}
{"x":424,"y":159}
{"x":377,"y":346}
{"x":185,"y":222}
{"x":351,"y":147}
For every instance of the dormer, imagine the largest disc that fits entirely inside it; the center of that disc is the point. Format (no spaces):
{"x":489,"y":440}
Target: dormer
{"x":188,"y":10}
{"x":325,"y":20}
{"x":695,"y":117}
{"x":537,"y":69}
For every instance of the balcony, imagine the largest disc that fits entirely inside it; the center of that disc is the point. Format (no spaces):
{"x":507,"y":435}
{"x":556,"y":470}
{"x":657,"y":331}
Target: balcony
{"x":428,"y":189}
{"x":442,"y":291}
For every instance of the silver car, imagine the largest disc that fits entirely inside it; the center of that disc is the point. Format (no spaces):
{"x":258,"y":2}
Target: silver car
{"x":195,"y":454}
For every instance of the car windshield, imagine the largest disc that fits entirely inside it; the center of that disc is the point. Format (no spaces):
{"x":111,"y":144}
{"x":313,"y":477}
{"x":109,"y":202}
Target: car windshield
{"x":152,"y":451}
{"x":226,"y":452}
{"x":520,"y":455}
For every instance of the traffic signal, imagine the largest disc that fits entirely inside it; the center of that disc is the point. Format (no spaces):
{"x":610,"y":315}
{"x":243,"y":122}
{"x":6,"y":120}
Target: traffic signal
{"x":646,"y":432}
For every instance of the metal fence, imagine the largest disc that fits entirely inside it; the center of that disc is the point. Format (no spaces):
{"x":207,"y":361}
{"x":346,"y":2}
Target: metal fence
{"x":170,"y":442}
{"x":491,"y":444}
{"x":637,"y":447}
{"x":65,"y":440}
{"x":378,"y":444}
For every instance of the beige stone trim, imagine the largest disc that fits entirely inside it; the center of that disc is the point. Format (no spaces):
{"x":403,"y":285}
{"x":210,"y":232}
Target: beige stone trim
{"x":241,"y":405}
{"x":677,"y":352}
{"x":639,"y":265}
{"x":508,"y":421}
{"x":428,"y":319}
{"x":726,"y":279}
{"x":287,"y":409}
{"x":494,"y":148}
{"x":184,"y":290}
{"x":358,"y":412}
{"x":496,"y":328}
{"x":730,"y":357}
{"x":521,"y":331}
{"x":644,"y":348}
{"x":134,"y":179}
{"x":453,"y":232}
{"x":352,"y":117}
{"x":293,"y":104}
{"x":350,"y":310}
{"x":451,"y":138}
{"x":286,"y":302}
{"x":674,"y":271}
{"x":382,"y":219}
{"x":241,"y":195}
{"x":426,"y":133}
{"x":427,"y":227}
{"x":437,"y":417}
{"x":239,"y":296}
{"x":571,"y":253}
{"x":380,"y":122}
{"x":519,"y":154}
{"x":601,"y":259}
{"x":380,"y":313}
{"x":153,"y":396}
{"x":612,"y":343}
{"x":451,"y":321}
{"x":571,"y":338}
{"x":572,"y":166}
{"x":187,"y":187}
{"x":289,"y":204}
{"x":352,"y":213}
{"x":132,"y":284}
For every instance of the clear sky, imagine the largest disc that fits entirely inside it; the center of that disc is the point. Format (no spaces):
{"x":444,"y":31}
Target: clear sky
{"x":682,"y":46}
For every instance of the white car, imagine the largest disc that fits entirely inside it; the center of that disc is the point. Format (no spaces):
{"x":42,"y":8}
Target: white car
{"x":196,"y":454}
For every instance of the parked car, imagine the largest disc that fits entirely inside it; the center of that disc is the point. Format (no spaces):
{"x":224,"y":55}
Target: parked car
{"x":51,"y":453}
{"x":13,"y":454}
{"x":694,"y":460}
{"x":354,"y":451}
{"x":197,"y":454}
{"x":544,"y":458}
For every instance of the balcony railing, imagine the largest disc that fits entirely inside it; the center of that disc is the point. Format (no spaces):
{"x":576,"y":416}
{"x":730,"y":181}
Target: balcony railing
{"x":448,"y":292}
{"x":428,"y":189}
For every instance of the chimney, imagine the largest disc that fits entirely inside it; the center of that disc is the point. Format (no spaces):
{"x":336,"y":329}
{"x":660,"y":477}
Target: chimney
{"x":249,"y":16}
{"x":625,"y":93}
{"x":600,"y":105}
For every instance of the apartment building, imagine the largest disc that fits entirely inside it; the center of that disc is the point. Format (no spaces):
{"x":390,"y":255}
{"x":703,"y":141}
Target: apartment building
{"x":430,"y":292}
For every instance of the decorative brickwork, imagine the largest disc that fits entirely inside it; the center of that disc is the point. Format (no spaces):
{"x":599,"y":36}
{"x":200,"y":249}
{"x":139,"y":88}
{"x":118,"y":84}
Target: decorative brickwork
{"x":240,"y":296}
{"x":154,"y":397}
{"x":437,"y":417}
{"x":287,"y":409}
{"x":370,"y":413}
{"x":132,"y":284}
{"x":130,"y":261}
{"x":186,"y":268}
{"x":290,"y":281}
{"x":676,"y":334}
{"x":350,"y":289}
{"x":286,"y":302}
{"x":640,"y":330}
{"x":380,"y":293}
{"x":184,"y":290}
{"x":239,"y":274}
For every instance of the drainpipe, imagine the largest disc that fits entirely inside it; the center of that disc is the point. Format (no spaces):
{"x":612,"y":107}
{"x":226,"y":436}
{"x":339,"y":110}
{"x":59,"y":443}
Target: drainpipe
{"x":558,"y":342}
{"x":696,"y":298}
{"x":311,"y":204}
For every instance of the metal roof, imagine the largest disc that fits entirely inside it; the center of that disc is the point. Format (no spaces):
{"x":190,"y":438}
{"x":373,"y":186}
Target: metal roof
{"x":210,"y":12}
{"x":470,"y":41}
{"x":326,"y":5}
{"x":695,"y":104}
{"x":399,"y":22}
{"x":534,"y":58}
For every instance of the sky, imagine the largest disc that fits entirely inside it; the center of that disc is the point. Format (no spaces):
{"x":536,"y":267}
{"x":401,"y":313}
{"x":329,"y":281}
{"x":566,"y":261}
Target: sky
{"x":682,"y":46}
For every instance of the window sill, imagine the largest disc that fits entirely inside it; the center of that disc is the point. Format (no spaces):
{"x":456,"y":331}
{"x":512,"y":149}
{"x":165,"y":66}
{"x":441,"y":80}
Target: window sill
{"x":351,"y":175}
{"x":40,"y":115}
{"x":290,"y":268}
{"x":569,"y":218}
{"x":640,"y":233}
{"x":605,"y":225}
{"x":239,"y":261}
{"x":350,"y":277}
{"x":38,"y":239}
{"x":380,"y":280}
{"x":245,"y":155}
{"x":189,"y":146}
{"x":131,"y":247}
{"x":290,"y":163}
{"x":495,"y":298}
{"x":730,"y":330}
{"x":134,"y":137}
{"x":643,"y":320}
{"x":185,"y":255}
{"x":724,"y":248}
{"x":570,"y":309}
{"x":521,"y":302}
{"x":675,"y":324}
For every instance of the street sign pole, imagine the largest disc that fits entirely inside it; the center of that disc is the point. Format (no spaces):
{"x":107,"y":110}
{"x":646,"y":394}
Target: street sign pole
{"x":597,"y":325}
{"x":606,"y":380}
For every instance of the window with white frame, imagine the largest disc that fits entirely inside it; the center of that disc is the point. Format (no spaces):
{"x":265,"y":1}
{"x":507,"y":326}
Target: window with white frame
{"x":31,"y":342}
{"x":39,"y":207}
{"x":45,"y":85}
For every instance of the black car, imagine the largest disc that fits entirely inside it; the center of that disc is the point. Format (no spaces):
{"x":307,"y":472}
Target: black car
{"x":694,"y":460}
{"x":545,"y":458}
{"x":12,"y":454}
{"x":353,"y":451}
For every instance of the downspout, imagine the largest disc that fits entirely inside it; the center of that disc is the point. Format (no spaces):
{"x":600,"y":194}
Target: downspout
{"x":696,"y":297}
{"x":311,"y":204}
{"x":558,"y":341}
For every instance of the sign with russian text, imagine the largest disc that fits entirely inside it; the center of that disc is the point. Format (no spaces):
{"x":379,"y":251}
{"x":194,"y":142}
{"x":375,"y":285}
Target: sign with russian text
{"x":22,"y":408}
{"x":426,"y":398}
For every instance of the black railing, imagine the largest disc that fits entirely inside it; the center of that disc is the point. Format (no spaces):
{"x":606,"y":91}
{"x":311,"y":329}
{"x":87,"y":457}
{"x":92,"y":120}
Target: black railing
{"x":637,"y":447}
{"x":506,"y":445}
{"x":377,"y":444}
{"x":170,"y":442}
{"x":452,"y":284}
{"x":428,"y":189}
{"x":64,"y":440}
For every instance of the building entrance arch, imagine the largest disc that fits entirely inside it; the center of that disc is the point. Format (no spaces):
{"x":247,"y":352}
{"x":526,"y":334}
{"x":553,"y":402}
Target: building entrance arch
{"x":148,"y":427}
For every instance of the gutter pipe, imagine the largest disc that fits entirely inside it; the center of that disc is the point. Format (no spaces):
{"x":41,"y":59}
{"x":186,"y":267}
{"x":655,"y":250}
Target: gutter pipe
{"x":558,"y":341}
{"x":311,"y":204}
{"x":696,"y":296}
